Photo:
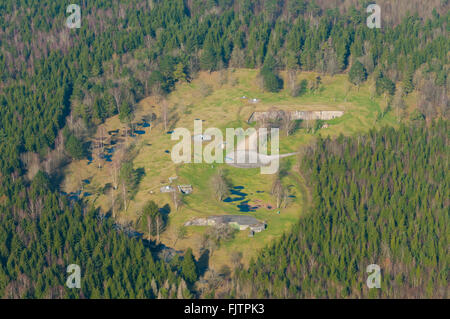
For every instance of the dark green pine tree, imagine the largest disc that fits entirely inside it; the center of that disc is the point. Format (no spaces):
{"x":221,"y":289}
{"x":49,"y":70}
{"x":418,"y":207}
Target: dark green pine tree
{"x":126,"y":113}
{"x":208,"y":59}
{"x":74,"y":147}
{"x":384,"y":84}
{"x":271,"y":80}
{"x":408,"y":85}
{"x":189,"y":267}
{"x":357,"y":73}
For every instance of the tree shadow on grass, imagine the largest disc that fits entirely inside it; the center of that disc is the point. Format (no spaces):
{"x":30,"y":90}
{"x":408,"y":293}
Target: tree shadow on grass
{"x":203,"y":263}
{"x":139,"y":173}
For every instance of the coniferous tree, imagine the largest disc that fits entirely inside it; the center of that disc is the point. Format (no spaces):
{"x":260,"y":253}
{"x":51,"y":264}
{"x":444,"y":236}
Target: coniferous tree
{"x":189,"y":267}
{"x":357,"y":73}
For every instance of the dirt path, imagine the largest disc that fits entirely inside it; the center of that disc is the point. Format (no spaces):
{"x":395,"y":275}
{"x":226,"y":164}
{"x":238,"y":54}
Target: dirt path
{"x":247,"y":152}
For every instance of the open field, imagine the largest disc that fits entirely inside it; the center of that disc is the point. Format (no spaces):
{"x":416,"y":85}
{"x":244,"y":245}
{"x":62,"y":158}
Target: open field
{"x":216,"y":99}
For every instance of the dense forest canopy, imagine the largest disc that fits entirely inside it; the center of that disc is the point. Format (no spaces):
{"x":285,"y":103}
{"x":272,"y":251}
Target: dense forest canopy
{"x":49,"y":71}
{"x":42,"y":234}
{"x":379,"y":199}
{"x":58,"y":84}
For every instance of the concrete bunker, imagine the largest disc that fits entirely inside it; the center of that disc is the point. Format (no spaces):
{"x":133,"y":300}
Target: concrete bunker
{"x":240,"y":222}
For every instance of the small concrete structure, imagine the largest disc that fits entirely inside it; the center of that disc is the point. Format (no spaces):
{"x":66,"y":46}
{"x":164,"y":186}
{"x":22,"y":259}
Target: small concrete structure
{"x":185,"y":189}
{"x":167,"y":189}
{"x":240,"y":222}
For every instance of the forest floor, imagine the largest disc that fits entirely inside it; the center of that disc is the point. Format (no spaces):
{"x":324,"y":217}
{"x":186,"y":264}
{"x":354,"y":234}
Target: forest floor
{"x":216,"y":99}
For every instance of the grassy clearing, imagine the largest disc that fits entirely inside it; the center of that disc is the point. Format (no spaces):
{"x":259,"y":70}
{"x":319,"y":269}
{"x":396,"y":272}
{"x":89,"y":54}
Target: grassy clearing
{"x":221,"y":106}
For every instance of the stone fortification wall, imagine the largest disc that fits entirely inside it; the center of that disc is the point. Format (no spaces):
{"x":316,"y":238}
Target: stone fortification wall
{"x":295,"y":115}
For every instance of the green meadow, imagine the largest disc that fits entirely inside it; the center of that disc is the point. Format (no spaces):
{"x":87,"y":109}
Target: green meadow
{"x":216,"y":99}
